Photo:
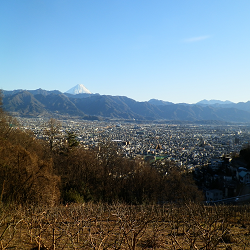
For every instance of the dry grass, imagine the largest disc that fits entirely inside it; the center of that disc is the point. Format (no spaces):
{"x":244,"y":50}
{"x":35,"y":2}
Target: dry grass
{"x":119,"y":226}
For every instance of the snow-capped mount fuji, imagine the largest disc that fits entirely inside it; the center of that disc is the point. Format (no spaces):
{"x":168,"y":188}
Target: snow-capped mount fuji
{"x":78,"y":89}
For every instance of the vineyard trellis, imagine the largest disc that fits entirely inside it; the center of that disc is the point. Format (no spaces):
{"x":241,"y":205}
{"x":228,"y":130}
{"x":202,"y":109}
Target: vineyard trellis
{"x":120,"y":226}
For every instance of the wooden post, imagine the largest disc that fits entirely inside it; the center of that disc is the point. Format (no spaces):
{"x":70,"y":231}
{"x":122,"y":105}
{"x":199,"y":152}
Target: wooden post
{"x":54,"y":239}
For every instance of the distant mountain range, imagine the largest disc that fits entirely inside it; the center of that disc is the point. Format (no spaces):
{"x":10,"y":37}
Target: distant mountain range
{"x":212,"y":102}
{"x":33,"y":103}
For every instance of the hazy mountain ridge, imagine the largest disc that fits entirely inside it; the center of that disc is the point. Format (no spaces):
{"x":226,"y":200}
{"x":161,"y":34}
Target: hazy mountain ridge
{"x":58,"y":103}
{"x":24,"y":103}
{"x":212,"y":102}
{"x":33,"y":92}
{"x":159,"y":102}
{"x":42,"y":102}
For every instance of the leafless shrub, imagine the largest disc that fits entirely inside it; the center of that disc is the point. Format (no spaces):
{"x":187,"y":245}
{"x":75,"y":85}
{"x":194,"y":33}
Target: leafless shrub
{"x":119,"y":226}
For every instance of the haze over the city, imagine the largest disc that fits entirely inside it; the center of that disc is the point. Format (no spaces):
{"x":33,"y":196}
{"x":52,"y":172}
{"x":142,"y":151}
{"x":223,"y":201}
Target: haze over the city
{"x":176,"y":51}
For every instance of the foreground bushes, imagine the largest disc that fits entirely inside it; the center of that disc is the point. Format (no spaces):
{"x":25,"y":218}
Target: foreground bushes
{"x":25,"y":178}
{"x":119,"y":226}
{"x":26,"y":169}
{"x":103,"y":176}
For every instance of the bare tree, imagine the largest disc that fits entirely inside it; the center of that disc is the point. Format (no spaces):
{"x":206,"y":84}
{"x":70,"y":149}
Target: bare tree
{"x":53,"y":129}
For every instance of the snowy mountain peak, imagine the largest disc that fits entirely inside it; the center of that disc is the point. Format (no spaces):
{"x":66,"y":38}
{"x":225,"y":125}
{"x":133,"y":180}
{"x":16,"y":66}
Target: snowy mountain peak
{"x":78,"y":89}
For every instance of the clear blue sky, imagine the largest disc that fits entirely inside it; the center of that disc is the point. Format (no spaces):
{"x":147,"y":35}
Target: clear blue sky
{"x":172,"y":50}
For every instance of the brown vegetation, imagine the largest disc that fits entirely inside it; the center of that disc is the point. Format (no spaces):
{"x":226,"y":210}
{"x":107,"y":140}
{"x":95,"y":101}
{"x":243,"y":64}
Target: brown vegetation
{"x":120,"y":226}
{"x":103,"y":175}
{"x":122,"y":203}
